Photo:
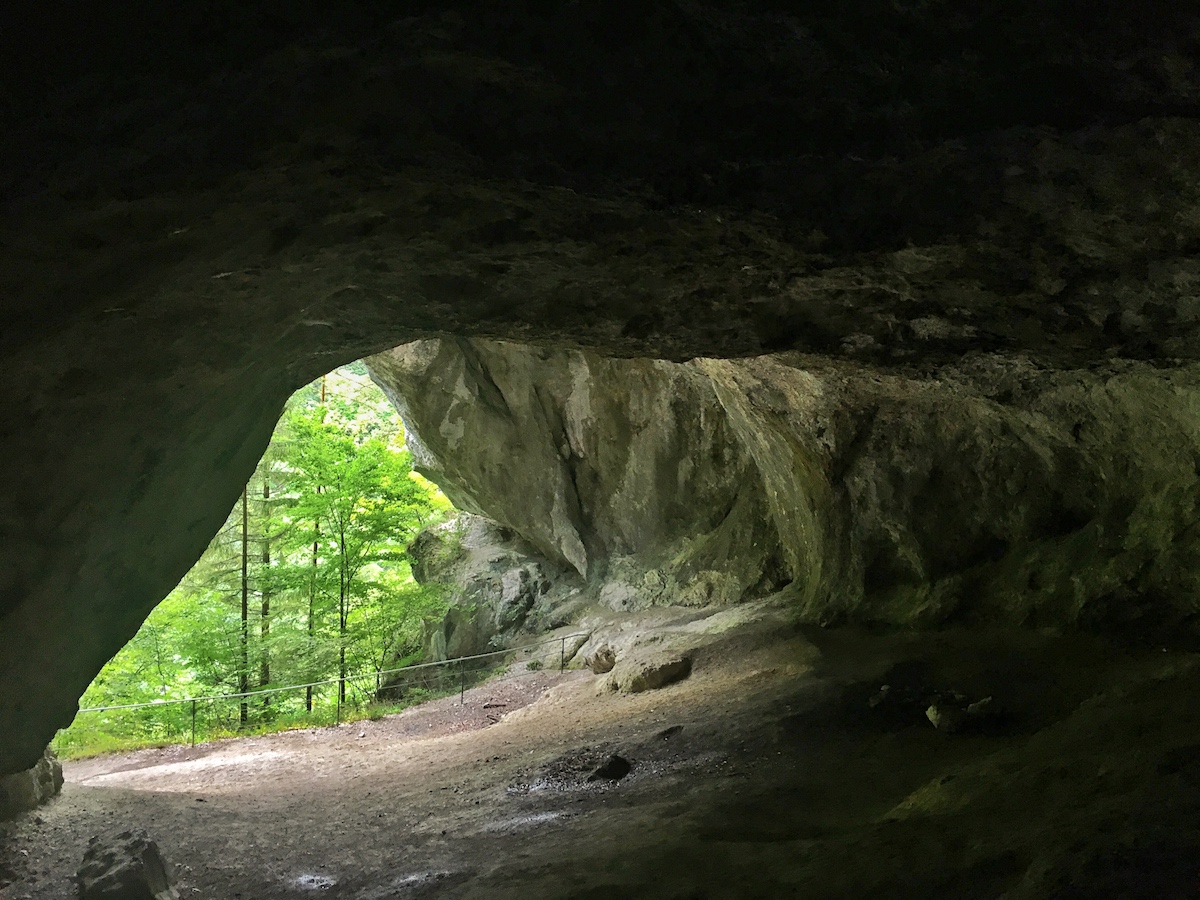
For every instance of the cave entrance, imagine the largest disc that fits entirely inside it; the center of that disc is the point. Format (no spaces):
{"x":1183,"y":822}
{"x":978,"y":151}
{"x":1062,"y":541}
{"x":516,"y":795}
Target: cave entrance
{"x":303,"y":598}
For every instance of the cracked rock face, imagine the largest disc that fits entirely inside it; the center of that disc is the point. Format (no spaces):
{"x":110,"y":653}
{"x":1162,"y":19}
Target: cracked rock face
{"x":993,"y":490}
{"x":504,"y":585}
{"x":27,"y":790}
{"x":624,"y":470}
{"x":205,"y":209}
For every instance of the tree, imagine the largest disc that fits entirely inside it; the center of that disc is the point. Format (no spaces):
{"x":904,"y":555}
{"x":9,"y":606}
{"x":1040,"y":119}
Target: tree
{"x":244,"y":668}
{"x":364,"y":507}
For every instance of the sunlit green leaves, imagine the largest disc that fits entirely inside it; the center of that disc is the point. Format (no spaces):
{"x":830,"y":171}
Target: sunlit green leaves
{"x":331,"y":510}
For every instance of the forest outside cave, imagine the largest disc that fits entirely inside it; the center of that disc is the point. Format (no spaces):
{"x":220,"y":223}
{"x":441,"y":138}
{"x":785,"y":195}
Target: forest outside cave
{"x":308,"y":583}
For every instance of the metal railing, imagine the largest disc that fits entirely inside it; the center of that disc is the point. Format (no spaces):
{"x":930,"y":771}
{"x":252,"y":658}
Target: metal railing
{"x":440,"y":677}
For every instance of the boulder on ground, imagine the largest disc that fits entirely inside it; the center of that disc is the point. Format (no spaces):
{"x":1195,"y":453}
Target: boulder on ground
{"x":31,"y":788}
{"x":650,"y":672}
{"x":128,"y":867}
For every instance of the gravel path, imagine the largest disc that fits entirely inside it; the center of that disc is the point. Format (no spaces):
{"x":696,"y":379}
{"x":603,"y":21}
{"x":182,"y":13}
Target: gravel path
{"x":226,"y":765}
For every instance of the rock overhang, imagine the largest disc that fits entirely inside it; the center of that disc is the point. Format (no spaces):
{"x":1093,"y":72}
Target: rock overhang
{"x":202,"y":211}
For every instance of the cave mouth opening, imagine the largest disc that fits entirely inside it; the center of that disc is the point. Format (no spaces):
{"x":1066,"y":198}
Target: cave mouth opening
{"x":303,"y":600}
{"x":917,"y":721}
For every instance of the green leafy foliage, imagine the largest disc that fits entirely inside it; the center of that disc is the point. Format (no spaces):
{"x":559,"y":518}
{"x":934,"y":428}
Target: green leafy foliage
{"x":308,"y":581}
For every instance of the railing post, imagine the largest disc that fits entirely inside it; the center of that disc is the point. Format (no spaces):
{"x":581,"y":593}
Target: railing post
{"x":339,"y":708}
{"x":193,"y":723}
{"x":462,"y":685}
{"x":562,"y":656}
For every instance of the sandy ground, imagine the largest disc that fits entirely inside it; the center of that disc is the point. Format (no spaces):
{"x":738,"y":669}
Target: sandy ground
{"x":766,"y":774}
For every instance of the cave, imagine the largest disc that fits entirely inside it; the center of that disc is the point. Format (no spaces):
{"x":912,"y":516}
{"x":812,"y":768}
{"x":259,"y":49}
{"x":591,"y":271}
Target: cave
{"x":888,"y":308}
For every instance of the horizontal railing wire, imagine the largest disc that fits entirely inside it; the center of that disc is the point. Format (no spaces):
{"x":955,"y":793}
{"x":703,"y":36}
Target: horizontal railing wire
{"x":458,"y":665}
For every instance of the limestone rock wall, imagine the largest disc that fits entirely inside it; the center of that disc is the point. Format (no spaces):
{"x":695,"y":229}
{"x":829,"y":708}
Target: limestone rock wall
{"x":500,"y":583}
{"x":990,"y":489}
{"x":27,"y":790}
{"x":626,"y":471}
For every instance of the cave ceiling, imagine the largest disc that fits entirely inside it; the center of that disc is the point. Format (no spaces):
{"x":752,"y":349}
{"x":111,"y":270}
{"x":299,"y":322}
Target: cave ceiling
{"x":888,"y":180}
{"x":205,"y":207}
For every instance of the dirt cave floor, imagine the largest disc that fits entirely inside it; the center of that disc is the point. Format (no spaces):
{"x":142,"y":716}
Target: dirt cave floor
{"x":780,"y":768}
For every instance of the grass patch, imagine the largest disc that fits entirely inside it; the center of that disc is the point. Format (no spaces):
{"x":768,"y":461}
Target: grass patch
{"x":124,"y":731}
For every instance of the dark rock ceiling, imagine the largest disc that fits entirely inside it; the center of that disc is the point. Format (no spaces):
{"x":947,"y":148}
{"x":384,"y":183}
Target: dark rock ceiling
{"x":204,"y":207}
{"x":660,"y":178}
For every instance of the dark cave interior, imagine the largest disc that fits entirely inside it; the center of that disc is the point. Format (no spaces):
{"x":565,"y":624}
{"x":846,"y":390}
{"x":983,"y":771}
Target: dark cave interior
{"x":910,"y":289}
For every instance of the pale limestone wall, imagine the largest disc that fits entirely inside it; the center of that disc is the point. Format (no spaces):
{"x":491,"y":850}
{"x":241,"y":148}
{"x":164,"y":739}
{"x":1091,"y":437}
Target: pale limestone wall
{"x":992,"y":490}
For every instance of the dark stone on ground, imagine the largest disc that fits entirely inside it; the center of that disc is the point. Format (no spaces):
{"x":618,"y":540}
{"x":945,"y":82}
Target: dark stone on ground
{"x":128,"y":867}
{"x":613,"y":769}
{"x":953,"y":713}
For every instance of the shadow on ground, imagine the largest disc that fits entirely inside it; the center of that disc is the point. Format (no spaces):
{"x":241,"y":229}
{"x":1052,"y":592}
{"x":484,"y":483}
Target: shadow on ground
{"x":779,"y":769}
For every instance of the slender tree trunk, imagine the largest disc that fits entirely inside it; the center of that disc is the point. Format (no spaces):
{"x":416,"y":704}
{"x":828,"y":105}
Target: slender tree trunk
{"x":342,"y":628}
{"x":312,"y":591}
{"x":244,"y":674}
{"x":312,"y":602}
{"x":264,"y":662}
{"x":162,"y":677}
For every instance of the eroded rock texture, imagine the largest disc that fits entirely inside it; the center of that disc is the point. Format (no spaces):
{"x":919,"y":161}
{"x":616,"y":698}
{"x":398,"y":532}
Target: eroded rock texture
{"x":504,"y":584}
{"x":627,"y":471}
{"x":989,"y":490}
{"x":128,"y":866}
{"x":204,"y":208}
{"x":27,"y":790}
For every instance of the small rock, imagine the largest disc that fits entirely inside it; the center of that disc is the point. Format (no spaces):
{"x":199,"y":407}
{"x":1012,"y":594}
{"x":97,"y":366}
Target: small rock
{"x":945,"y":716}
{"x":127,"y":868}
{"x":312,"y":882}
{"x":613,"y":769}
{"x":669,"y":732}
{"x":602,"y":660}
{"x":980,"y":707}
{"x":953,"y":713}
